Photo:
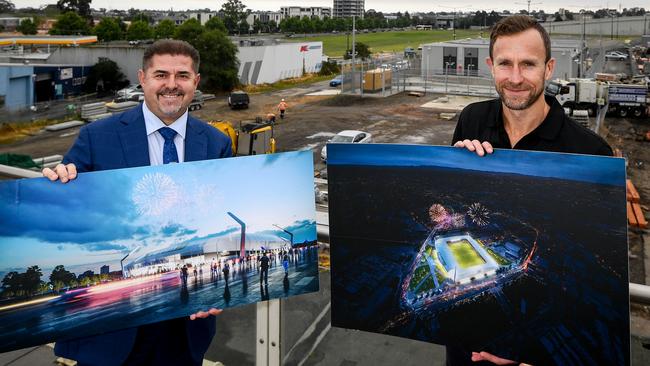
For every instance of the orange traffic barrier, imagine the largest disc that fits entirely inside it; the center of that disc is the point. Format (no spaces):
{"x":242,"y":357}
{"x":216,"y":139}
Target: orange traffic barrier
{"x":631,"y":218}
{"x":638,"y":213}
{"x":631,"y":193}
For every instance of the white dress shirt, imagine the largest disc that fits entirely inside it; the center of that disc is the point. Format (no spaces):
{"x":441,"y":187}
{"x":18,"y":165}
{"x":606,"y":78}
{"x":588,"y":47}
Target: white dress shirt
{"x":155,"y":139}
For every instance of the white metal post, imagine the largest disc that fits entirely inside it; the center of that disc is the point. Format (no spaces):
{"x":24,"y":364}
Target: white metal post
{"x":268,"y":333}
{"x":262,"y":336}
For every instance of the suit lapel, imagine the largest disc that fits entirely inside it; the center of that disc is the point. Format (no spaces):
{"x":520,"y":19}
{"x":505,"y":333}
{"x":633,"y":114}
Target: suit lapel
{"x":133,"y":136}
{"x":196,"y":143}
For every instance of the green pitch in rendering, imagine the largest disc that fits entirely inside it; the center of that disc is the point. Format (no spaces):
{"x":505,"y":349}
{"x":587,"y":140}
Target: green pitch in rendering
{"x":465,"y":255}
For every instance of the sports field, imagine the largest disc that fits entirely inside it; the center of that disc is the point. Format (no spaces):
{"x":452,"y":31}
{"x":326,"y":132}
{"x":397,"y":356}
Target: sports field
{"x":465,"y":255}
{"x":395,"y":41}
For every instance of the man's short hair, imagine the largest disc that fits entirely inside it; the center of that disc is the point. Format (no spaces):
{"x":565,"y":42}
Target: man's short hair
{"x":171,"y":47}
{"x":516,"y":24}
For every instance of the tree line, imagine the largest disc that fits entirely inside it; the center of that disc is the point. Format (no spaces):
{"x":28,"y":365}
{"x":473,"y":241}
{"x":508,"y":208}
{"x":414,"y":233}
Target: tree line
{"x":29,"y":283}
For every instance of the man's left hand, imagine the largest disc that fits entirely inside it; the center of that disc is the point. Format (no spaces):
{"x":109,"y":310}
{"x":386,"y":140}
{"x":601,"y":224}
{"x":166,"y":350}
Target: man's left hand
{"x":485,"y":356}
{"x":205,"y":314}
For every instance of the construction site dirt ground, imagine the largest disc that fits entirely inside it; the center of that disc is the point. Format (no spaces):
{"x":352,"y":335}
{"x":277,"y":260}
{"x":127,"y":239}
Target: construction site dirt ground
{"x":312,"y":120}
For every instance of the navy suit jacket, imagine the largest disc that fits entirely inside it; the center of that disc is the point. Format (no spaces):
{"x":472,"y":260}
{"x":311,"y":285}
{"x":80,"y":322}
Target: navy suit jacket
{"x":120,"y":141}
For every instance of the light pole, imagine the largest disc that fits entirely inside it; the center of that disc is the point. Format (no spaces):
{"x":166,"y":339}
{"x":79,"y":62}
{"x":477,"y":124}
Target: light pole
{"x":447,"y":63}
{"x":469,"y":72}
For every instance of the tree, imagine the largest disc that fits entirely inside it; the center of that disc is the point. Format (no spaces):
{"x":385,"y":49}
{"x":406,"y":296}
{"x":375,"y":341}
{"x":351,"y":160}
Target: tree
{"x":70,"y":23}
{"x":6,"y":6}
{"x":165,"y":29}
{"x":28,"y":26}
{"x":81,"y":7}
{"x":189,"y":31}
{"x":362,"y":50}
{"x":108,"y":29}
{"x":61,"y":277}
{"x":215,"y":23}
{"x":243,"y":27}
{"x":32,"y":280}
{"x":105,"y":76}
{"x":219,"y":64}
{"x":139,"y":30}
{"x":11,"y":284}
{"x":141,"y":16}
{"x":233,"y":13}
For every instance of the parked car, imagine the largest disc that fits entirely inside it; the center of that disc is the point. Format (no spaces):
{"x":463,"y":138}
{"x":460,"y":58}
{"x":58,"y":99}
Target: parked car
{"x":238,"y":99}
{"x":132,"y":92}
{"x":346,"y":136}
{"x":336,"y":81}
{"x":616,"y":55}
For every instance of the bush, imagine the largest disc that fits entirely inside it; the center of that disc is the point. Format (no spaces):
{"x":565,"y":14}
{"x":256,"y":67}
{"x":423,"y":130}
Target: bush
{"x":329,"y":68}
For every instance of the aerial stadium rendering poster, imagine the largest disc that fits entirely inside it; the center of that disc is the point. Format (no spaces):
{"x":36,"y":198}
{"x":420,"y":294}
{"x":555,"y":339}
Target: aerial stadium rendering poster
{"x":520,"y":254}
{"x":121,"y":248}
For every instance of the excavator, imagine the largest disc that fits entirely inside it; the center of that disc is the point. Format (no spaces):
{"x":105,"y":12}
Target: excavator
{"x":250,"y":138}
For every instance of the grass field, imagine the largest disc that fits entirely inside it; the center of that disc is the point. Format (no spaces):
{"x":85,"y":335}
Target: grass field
{"x":465,"y":254}
{"x":335,"y":45}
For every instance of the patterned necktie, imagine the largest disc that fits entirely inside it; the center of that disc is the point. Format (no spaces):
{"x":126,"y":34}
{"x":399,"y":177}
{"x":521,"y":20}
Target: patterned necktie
{"x":169,"y":149}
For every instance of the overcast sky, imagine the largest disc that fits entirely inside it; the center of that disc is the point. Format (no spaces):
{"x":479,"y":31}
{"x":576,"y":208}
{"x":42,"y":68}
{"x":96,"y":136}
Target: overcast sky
{"x":379,"y":5}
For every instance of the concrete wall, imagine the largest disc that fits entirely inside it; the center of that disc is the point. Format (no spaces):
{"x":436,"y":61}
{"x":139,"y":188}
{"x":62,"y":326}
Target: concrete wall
{"x":129,"y":59}
{"x":605,"y":27}
{"x":268,"y":64}
{"x":16,"y":86}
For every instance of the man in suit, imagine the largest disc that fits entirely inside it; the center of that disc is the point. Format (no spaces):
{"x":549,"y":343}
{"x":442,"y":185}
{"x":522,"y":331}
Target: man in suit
{"x":159,"y":131}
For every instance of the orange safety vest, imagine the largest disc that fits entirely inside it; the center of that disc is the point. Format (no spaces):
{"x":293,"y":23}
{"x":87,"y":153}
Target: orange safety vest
{"x":282,"y":106}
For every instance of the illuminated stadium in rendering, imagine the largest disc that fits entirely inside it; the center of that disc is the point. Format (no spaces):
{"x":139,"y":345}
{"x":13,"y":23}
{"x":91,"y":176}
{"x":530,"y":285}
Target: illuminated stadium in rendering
{"x":464,"y":253}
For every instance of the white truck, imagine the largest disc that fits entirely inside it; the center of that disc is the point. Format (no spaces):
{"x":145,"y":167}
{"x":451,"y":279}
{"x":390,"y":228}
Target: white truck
{"x":588,"y":94}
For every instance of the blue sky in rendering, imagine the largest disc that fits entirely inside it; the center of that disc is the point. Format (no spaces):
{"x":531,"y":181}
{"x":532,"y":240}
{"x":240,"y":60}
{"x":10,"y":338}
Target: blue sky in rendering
{"x":585,"y":168}
{"x":101,"y":216}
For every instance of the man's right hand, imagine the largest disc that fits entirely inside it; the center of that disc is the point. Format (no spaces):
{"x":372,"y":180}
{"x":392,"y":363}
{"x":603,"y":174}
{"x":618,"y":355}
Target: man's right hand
{"x":481,"y":148}
{"x":62,"y":172}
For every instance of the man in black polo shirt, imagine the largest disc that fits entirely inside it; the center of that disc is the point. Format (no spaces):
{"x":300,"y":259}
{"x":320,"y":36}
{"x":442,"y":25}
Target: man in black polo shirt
{"x":521,"y":118}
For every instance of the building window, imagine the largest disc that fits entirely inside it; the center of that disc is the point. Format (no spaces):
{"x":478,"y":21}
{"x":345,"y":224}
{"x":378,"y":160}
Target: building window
{"x":471,"y":61}
{"x":450,"y":60}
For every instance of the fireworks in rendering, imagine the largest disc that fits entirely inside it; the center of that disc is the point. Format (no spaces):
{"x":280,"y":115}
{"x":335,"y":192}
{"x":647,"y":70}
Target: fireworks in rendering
{"x":437,"y":213}
{"x":155,"y":194}
{"x":458,"y":220}
{"x":479,"y":214}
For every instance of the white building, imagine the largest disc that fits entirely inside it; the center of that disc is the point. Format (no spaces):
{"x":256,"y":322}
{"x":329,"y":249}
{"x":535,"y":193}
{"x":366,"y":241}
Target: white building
{"x":270,"y":63}
{"x":202,"y":17}
{"x":299,"y":11}
{"x":264,"y":17}
{"x":467,"y":56}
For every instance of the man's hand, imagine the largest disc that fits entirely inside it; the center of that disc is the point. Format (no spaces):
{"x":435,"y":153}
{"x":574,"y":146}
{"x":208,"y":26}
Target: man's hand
{"x":484,"y":356}
{"x":205,"y":314}
{"x":61,"y":172}
{"x":475,"y":145}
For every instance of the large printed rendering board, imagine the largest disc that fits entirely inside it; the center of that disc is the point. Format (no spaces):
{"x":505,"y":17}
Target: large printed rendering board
{"x":120,"y":248}
{"x":521,"y":254}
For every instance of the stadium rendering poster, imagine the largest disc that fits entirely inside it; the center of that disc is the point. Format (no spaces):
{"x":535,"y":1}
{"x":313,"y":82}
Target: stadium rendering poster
{"x":120,"y":248}
{"x":521,"y":254}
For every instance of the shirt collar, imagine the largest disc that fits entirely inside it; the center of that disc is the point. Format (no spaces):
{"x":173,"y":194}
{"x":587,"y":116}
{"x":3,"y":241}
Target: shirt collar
{"x":153,"y":123}
{"x":550,"y":126}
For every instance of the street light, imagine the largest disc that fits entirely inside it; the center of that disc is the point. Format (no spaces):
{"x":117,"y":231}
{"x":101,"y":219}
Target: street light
{"x":469,"y":72}
{"x":447,"y":64}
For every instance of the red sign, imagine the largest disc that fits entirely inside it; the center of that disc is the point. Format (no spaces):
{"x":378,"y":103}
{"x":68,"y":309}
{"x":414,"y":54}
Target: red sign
{"x":304,"y":48}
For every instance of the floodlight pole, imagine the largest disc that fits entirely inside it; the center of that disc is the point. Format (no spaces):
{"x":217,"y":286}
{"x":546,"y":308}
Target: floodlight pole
{"x":286,"y":231}
{"x":242,"y":241}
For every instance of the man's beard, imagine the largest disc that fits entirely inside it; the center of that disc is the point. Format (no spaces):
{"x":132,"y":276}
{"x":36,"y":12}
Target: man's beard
{"x":518,"y":103}
{"x":165,"y":106}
